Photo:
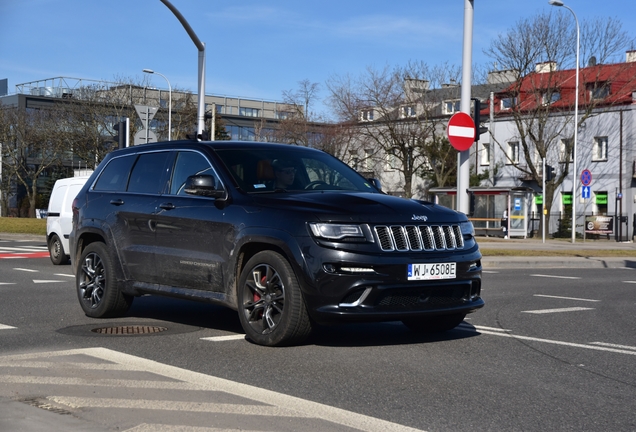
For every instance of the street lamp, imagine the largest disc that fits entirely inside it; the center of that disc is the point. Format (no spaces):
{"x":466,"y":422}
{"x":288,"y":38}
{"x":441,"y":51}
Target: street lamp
{"x":150,"y":71}
{"x":576,"y":116}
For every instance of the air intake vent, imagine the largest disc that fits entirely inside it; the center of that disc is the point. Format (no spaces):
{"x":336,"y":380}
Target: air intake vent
{"x":419,"y":237}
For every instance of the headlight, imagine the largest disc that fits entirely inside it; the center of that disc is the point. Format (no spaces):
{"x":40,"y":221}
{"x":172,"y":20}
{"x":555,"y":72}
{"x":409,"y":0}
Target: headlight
{"x":332,"y":231}
{"x":467,"y":228}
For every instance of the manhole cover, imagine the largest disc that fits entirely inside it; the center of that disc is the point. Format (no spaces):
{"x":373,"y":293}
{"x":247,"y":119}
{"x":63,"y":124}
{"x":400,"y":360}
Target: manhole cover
{"x":129,"y":330}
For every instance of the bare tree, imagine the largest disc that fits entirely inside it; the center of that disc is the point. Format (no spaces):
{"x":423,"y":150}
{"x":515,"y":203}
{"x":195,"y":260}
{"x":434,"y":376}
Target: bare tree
{"x":397,"y":118}
{"x":541,"y":100}
{"x":32,"y":142}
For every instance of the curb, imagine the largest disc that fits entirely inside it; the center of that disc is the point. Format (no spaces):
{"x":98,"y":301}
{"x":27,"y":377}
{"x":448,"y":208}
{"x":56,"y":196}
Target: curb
{"x":556,"y":262}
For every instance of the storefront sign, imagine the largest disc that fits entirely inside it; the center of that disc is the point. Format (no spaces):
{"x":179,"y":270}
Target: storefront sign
{"x":538,"y":199}
{"x":599,"y":224}
{"x":600,"y":198}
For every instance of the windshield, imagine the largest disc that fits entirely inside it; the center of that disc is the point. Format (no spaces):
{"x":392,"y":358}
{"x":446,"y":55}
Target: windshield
{"x":287,"y":169}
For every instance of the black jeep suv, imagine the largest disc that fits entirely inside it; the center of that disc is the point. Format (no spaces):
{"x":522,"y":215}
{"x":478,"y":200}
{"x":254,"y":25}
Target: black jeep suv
{"x":289,"y":236}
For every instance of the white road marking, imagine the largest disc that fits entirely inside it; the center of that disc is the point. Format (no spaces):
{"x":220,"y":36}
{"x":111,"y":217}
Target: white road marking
{"x":269,"y":403}
{"x":26,"y":270}
{"x":23,"y":249}
{"x":39,"y":281}
{"x":595,"y":347}
{"x":634,"y":282}
{"x":565,"y":298}
{"x":546,"y":311}
{"x":64,"y":274}
{"x":469,"y":326}
{"x":224,"y":338}
{"x":7,"y":283}
{"x":614,"y":345}
{"x":489,"y":271}
{"x":154,"y":427}
{"x":5,"y":327}
{"x":555,"y":277}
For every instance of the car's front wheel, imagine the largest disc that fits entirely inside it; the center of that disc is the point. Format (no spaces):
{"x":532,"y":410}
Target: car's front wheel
{"x":97,"y":288}
{"x":434,"y":324}
{"x":56,"y":250}
{"x":270,"y":303}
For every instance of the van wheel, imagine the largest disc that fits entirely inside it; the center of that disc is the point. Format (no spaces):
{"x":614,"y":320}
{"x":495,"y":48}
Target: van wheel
{"x":271,"y":306}
{"x":436,"y":324}
{"x":56,"y":251}
{"x":97,"y":288}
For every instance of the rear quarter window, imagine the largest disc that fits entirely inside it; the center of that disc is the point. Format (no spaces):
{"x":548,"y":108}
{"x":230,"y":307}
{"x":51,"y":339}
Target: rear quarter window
{"x":114,"y":176}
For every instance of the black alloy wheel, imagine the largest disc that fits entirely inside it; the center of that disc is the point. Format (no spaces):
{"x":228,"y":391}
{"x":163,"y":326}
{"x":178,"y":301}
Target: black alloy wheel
{"x":97,"y":288}
{"x":271,"y":307}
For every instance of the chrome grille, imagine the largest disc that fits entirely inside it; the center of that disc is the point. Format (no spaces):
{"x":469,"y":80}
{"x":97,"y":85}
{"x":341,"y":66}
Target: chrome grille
{"x":419,"y":237}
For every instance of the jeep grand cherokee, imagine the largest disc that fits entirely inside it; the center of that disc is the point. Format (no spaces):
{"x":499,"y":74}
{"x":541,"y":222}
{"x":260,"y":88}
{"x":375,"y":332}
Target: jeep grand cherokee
{"x":288,"y":236}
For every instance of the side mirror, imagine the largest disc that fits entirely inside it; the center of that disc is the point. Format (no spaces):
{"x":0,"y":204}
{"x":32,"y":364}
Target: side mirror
{"x":376,"y":183}
{"x":203,"y":185}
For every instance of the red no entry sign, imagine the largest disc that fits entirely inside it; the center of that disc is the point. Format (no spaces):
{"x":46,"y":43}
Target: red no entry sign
{"x":461,"y":131}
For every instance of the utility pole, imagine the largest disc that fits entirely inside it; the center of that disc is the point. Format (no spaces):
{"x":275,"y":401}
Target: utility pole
{"x":463,"y":157}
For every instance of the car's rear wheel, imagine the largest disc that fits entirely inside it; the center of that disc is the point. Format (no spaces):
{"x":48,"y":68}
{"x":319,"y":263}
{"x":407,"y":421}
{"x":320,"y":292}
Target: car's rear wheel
{"x":271,"y":306}
{"x":436,"y":324}
{"x":56,"y":250}
{"x":97,"y":288}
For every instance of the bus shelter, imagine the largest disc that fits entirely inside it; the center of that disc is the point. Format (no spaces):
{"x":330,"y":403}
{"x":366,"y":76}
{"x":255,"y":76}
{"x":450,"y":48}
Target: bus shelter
{"x":487,"y":206}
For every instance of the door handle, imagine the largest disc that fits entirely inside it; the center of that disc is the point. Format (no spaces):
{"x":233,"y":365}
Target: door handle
{"x":167,"y":206}
{"x":117,"y":201}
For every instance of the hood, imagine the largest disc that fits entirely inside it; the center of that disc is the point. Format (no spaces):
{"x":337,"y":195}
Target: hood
{"x":360,"y":207}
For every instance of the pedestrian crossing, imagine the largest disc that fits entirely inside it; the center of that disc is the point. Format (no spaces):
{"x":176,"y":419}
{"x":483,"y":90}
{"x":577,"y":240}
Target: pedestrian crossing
{"x":130,"y":393}
{"x":26,"y":251}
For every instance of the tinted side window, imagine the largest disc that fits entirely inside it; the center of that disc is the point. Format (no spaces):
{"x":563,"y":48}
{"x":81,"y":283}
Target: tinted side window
{"x":147,"y":173}
{"x":187,"y":164}
{"x":115,"y":176}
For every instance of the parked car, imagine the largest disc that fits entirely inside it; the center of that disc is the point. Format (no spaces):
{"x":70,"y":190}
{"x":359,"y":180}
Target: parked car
{"x":60,"y":216}
{"x":290,"y":237}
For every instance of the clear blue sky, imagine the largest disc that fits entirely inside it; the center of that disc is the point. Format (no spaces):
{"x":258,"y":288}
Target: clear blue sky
{"x":255,"y":49}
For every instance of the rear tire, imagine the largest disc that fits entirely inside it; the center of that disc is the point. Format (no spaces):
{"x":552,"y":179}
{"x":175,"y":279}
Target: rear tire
{"x":97,"y":288}
{"x":56,"y":251}
{"x":270,"y":303}
{"x":436,"y":324}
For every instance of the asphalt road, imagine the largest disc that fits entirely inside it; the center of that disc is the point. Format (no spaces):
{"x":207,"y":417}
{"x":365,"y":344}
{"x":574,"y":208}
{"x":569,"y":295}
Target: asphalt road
{"x":554,"y":349}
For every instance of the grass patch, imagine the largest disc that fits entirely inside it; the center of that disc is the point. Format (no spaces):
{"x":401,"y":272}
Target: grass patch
{"x":23,"y":225}
{"x":558,"y":253}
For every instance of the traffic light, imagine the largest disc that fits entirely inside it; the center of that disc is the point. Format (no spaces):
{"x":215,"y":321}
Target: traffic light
{"x":122,"y":134}
{"x":479,"y":129}
{"x":549,"y":173}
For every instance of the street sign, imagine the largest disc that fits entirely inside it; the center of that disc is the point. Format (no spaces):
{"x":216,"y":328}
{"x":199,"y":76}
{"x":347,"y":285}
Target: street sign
{"x":585,"y":192}
{"x":586,"y":177}
{"x":461,"y":131}
{"x":145,"y":136}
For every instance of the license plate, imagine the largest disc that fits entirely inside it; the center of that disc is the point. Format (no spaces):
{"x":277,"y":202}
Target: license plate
{"x":431,"y":271}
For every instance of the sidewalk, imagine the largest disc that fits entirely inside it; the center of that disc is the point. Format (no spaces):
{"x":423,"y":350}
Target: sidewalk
{"x":588,"y":246}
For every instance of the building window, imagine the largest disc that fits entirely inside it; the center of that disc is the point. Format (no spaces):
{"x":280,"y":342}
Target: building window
{"x":565,"y":150}
{"x":451,"y":107}
{"x":600,"y":149}
{"x":391,"y":160}
{"x":599,"y":90}
{"x":485,"y":153}
{"x":366,"y":115}
{"x":508,"y":102}
{"x":408,"y":111}
{"x":284,"y":115}
{"x":551,"y":97}
{"x":513,"y":153}
{"x":368,"y":160}
{"x":249,"y":112}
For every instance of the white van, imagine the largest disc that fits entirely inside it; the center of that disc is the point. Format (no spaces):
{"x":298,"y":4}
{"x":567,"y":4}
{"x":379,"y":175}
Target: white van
{"x":60,"y":217}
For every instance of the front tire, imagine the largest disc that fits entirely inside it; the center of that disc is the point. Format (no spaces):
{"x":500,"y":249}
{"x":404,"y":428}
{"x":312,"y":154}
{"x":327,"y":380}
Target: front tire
{"x":270,"y":303}
{"x":97,"y":289}
{"x":436,"y":324}
{"x":56,"y":251}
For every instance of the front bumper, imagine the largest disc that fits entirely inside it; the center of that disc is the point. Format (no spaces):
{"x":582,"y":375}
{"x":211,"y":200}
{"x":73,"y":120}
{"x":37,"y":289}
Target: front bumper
{"x":347,"y":286}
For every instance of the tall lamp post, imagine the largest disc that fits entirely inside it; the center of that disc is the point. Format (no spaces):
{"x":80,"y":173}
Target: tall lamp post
{"x":150,"y":71}
{"x":576,"y":116}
